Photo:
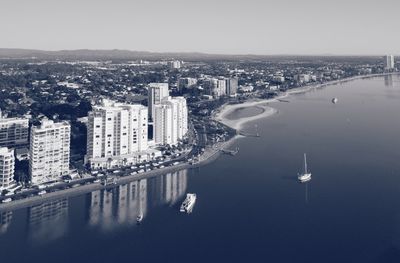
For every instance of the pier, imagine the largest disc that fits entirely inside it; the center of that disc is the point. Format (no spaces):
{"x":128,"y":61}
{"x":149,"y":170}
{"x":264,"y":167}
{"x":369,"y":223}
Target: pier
{"x":230,"y":152}
{"x":256,"y":134}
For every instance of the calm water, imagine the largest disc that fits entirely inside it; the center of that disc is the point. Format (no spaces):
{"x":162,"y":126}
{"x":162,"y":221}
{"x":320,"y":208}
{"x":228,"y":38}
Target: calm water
{"x":250,"y":207}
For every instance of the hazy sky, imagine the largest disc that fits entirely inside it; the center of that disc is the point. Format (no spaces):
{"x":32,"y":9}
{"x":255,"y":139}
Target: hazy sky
{"x":212,"y":26}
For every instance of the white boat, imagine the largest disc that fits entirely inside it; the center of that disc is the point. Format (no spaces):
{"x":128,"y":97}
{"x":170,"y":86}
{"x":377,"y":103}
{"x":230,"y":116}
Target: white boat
{"x":139,"y":218}
{"x":334,"y":100}
{"x":188,"y":204}
{"x":306,"y":175}
{"x":42,"y":192}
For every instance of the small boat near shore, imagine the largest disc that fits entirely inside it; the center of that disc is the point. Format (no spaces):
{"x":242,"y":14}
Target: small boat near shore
{"x":188,"y":203}
{"x":306,"y":175}
{"x":334,"y":100}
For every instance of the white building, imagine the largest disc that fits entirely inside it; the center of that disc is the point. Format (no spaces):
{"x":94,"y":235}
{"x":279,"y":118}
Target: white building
{"x":7,"y":163}
{"x":176,"y":64}
{"x":302,"y":78}
{"x":163,"y":124}
{"x":389,"y":62}
{"x":170,"y":121}
{"x":117,"y":135}
{"x":156,"y":93}
{"x":13,"y":132}
{"x":49,"y":151}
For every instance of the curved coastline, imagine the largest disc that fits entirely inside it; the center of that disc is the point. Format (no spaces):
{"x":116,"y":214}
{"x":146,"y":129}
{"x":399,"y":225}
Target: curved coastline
{"x":210,"y":154}
{"x":237,"y":124}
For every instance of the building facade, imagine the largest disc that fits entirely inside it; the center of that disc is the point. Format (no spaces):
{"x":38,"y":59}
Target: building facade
{"x":49,"y":151}
{"x":156,"y":93}
{"x":170,"y":121}
{"x":232,"y":86}
{"x":389,"y":62}
{"x":14,"y":132}
{"x":116,"y":132}
{"x":186,"y":83}
{"x":7,"y":164}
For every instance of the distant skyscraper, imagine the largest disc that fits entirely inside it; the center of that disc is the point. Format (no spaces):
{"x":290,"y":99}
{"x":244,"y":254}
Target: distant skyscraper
{"x":13,"y":132}
{"x":170,"y":121}
{"x":7,"y":163}
{"x":231,"y":86}
{"x":185,"y":83}
{"x":389,"y":62}
{"x":116,"y":129}
{"x":49,"y":151}
{"x":156,"y":93}
{"x":176,"y":64}
{"x":216,"y":86}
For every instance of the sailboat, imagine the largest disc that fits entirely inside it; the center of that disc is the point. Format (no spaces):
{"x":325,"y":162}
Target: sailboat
{"x":306,"y":175}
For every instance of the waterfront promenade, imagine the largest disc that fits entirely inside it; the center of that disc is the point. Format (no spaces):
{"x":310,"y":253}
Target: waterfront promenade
{"x":210,"y":154}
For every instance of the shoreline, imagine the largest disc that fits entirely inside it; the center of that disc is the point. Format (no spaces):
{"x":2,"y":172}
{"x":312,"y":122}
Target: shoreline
{"x":210,"y":154}
{"x":237,"y":124}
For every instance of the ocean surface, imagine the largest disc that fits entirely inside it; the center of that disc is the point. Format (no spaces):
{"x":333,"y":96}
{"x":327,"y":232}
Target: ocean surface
{"x":250,"y":207}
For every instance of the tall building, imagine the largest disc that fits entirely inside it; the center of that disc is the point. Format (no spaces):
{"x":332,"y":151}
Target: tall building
{"x":156,"y":93}
{"x":389,"y":62}
{"x":186,"y":83}
{"x":49,"y":151}
{"x":163,"y":124}
{"x":232,"y":86}
{"x":170,"y":121}
{"x":13,"y":132}
{"x":7,"y":163}
{"x":116,"y":132}
{"x":176,"y":64}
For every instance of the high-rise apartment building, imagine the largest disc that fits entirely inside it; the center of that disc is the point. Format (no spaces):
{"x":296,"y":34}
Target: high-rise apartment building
{"x":13,"y":132}
{"x":186,"y":83}
{"x":7,"y":163}
{"x":389,"y":62}
{"x":156,"y":93}
{"x":170,"y":121}
{"x":176,"y":64}
{"x":116,"y":130}
{"x":49,"y":151}
{"x":163,"y":124}
{"x":231,"y":86}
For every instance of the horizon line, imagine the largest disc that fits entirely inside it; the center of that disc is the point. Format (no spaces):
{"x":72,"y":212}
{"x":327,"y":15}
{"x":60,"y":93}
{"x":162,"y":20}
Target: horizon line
{"x":203,"y":53}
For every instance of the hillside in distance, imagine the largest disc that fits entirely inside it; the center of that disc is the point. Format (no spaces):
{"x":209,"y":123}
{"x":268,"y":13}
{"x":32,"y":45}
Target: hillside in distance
{"x":119,"y":54}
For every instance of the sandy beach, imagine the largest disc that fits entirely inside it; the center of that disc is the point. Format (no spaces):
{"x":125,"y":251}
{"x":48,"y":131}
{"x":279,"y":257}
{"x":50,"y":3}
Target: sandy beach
{"x":237,"y":124}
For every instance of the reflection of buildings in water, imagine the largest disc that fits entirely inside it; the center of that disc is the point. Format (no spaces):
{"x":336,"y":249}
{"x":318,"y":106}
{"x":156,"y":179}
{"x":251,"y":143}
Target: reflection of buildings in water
{"x":122,"y":205}
{"x":5,"y":221}
{"x":175,"y":186}
{"x":48,"y":221}
{"x":167,"y":189}
{"x":388,"y":80}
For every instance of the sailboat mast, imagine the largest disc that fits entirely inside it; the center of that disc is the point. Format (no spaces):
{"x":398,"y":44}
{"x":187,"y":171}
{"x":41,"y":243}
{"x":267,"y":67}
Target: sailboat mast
{"x":305,"y":164}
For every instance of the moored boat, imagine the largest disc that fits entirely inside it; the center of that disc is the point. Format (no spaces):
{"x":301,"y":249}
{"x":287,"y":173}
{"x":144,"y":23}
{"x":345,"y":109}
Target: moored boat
{"x":188,"y":203}
{"x":306,"y":175}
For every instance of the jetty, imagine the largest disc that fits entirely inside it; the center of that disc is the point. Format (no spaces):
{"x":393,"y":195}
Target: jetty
{"x":230,"y":152}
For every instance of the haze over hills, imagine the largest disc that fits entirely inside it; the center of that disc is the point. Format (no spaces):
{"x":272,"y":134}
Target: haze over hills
{"x":119,"y":54}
